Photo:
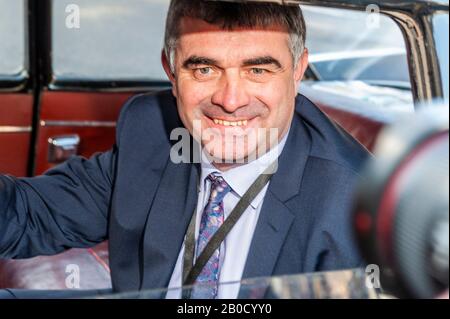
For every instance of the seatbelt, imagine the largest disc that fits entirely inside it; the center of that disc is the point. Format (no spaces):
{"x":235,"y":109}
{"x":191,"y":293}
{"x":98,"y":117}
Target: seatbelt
{"x":190,"y":271}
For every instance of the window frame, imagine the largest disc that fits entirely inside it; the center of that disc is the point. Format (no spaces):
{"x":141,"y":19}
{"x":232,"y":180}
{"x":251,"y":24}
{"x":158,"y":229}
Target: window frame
{"x":415,"y":22}
{"x":424,"y":66}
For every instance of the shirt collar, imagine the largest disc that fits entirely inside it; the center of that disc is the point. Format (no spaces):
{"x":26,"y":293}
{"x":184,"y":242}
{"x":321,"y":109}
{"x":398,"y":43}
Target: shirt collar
{"x":242,"y":177}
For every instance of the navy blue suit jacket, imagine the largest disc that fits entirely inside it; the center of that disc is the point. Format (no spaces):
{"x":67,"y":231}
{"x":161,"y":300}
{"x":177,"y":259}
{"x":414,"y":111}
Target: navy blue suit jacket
{"x":137,"y":198}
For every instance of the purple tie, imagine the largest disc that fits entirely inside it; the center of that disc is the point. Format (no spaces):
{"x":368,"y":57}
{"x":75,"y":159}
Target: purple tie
{"x":212,"y":219}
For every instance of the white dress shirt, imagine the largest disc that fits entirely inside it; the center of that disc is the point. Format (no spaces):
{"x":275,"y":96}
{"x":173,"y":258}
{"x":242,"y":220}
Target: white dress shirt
{"x":234,"y":249}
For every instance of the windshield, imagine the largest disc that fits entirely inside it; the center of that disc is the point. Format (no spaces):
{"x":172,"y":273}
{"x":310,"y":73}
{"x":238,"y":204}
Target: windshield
{"x":350,"y":283}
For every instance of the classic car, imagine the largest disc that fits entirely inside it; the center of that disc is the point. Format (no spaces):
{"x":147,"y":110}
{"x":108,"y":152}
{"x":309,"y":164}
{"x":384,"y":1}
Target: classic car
{"x":64,"y":78}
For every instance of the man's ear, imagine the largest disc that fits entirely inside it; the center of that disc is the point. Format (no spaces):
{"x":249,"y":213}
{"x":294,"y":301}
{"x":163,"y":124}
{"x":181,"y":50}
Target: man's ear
{"x":302,"y":66}
{"x":168,"y":70}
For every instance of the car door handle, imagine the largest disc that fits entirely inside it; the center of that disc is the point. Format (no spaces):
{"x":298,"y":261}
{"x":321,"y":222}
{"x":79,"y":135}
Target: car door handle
{"x":61,"y":148}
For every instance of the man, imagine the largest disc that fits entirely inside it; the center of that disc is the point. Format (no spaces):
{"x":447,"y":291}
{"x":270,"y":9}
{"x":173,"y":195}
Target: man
{"x":235,"y":71}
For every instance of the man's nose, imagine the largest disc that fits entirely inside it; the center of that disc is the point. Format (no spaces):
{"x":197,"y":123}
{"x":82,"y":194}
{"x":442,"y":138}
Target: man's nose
{"x":231,"y":94}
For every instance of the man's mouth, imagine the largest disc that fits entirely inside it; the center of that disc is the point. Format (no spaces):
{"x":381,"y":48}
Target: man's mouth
{"x":223,"y":123}
{"x":230,"y":123}
{"x":235,"y":126}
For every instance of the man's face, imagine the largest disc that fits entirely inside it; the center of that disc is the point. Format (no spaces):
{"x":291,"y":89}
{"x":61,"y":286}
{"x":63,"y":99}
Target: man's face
{"x":235,"y":83}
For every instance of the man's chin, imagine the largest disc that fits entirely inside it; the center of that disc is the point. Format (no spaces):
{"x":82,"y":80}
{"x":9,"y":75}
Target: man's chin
{"x":237,"y":158}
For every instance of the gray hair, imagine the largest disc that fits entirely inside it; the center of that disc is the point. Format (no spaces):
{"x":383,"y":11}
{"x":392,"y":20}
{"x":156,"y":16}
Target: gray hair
{"x":233,"y":15}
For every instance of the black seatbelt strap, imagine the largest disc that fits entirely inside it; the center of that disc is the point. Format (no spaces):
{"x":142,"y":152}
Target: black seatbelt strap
{"x":190,"y":272}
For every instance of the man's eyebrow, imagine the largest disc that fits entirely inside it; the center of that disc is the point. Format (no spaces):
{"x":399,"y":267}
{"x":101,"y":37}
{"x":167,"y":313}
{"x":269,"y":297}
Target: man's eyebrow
{"x":198,"y":60}
{"x":262,"y":61}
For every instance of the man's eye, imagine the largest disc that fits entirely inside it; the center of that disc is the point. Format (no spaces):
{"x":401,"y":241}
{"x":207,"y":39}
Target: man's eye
{"x":204,"y":71}
{"x":258,"y":71}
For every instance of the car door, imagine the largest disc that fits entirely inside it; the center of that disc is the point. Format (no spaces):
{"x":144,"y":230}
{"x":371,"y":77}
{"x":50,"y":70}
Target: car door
{"x":62,"y":97}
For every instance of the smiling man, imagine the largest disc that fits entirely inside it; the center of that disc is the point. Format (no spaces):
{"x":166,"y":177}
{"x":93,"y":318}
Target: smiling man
{"x":235,"y":71}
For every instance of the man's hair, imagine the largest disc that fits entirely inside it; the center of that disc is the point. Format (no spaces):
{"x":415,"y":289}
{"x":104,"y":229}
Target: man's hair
{"x":230,"y":16}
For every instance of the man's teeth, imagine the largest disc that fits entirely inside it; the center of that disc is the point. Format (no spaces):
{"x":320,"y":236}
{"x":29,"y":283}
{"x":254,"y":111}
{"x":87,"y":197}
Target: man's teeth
{"x":228,"y":123}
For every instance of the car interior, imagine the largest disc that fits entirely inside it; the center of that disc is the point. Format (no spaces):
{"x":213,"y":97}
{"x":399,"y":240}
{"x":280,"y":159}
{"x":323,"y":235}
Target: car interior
{"x":63,"y":96}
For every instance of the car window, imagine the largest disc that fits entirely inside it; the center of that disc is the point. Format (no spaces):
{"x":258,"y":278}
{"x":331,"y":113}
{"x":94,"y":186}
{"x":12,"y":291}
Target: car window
{"x":109,"y":40}
{"x":441,"y":30}
{"x":338,"y":52}
{"x":12,"y":37}
{"x":357,"y":58}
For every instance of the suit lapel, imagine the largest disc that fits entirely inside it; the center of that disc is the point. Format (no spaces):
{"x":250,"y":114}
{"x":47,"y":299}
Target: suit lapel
{"x":273,"y":226}
{"x":276,"y":217}
{"x":167,"y":223}
{"x":152,"y":197}
{"x":130,"y":208}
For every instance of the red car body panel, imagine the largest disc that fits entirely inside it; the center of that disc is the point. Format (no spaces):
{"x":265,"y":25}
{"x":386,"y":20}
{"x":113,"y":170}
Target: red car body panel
{"x":16,"y":111}
{"x":91,"y":116}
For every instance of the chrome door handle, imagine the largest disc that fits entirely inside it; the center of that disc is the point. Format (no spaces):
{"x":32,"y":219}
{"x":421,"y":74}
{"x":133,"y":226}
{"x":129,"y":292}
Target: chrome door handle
{"x":61,"y":148}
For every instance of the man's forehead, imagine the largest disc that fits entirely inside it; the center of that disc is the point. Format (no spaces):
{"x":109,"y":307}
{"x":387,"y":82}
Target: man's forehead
{"x":197,"y":26}
{"x":203,"y":39}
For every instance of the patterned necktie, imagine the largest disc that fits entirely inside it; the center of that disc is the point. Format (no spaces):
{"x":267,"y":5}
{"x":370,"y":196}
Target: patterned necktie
{"x":212,"y":219}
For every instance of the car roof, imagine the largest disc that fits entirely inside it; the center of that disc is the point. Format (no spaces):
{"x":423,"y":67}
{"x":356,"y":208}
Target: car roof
{"x":408,"y":5}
